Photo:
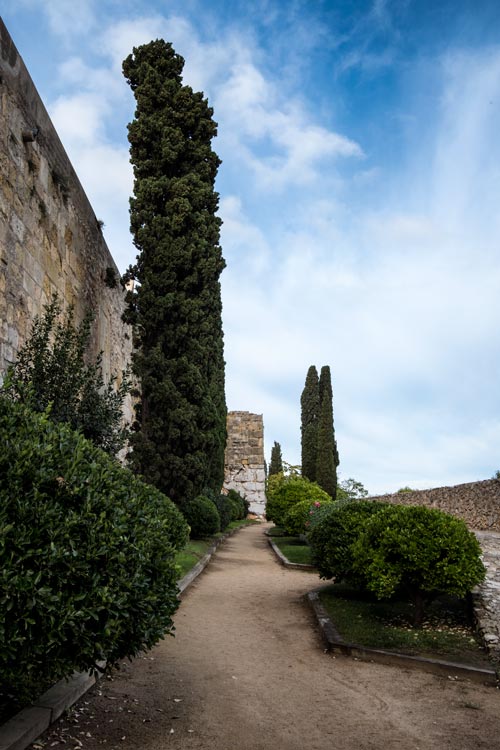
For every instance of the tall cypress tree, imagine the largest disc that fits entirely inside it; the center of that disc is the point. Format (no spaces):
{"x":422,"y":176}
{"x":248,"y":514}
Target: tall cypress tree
{"x":309,"y":402}
{"x":276,"y":464}
{"x":327,"y":457}
{"x":176,"y":306}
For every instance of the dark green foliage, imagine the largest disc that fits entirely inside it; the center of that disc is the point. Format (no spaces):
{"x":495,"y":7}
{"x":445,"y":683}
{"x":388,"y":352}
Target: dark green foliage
{"x":332,"y":538}
{"x":223,"y":505}
{"x":327,"y":458}
{"x":297,"y":518}
{"x":284,"y":491}
{"x":310,"y":408}
{"x":202,"y":517}
{"x":276,"y":465}
{"x":241,"y":504}
{"x":176,"y":306}
{"x":51,"y":368}
{"x":86,"y":555}
{"x":421,"y":550}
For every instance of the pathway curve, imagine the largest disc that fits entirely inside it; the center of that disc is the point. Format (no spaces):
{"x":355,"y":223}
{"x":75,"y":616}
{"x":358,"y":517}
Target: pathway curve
{"x":247,"y":671}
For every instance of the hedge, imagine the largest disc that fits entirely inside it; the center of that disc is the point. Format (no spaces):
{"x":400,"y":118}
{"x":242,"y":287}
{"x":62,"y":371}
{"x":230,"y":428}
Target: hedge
{"x":86,"y":553}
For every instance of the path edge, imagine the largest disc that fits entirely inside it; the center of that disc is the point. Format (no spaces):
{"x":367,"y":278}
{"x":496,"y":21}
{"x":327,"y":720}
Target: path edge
{"x":27,"y":725}
{"x":284,"y":560}
{"x":335,"y":643}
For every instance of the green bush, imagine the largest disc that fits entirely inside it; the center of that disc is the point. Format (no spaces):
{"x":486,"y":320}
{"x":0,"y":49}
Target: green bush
{"x":297,"y":518}
{"x":242,"y":504}
{"x":421,"y":550}
{"x":53,"y":368}
{"x":202,"y":517}
{"x":284,"y":491}
{"x":86,"y":555}
{"x":332,"y":538}
{"x":223,"y":505}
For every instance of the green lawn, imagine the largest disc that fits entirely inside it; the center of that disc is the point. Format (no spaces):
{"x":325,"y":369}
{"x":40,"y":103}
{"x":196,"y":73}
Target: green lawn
{"x":294,"y":549}
{"x":447,"y":632}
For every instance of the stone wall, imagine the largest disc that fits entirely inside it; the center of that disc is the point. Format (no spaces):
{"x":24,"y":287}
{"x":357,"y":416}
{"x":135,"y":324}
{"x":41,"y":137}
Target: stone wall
{"x":477,"y":503}
{"x":244,"y":459}
{"x":50,"y":238}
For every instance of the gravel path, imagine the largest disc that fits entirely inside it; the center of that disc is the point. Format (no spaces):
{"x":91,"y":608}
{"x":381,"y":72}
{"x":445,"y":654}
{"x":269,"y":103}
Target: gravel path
{"x":247,"y":671}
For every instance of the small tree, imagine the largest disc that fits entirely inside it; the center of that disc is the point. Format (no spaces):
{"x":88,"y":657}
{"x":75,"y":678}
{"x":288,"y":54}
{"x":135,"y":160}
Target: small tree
{"x":284,"y":491}
{"x":53,"y":370}
{"x":327,"y":458}
{"x":309,"y":406}
{"x":421,"y":550}
{"x":332,"y":538}
{"x":276,"y":465}
{"x":350,"y":489}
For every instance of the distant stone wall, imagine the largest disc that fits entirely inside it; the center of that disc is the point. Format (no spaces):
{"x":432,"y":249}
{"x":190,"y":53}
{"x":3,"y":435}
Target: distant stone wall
{"x":244,"y":458}
{"x":50,"y":238}
{"x":477,"y":503}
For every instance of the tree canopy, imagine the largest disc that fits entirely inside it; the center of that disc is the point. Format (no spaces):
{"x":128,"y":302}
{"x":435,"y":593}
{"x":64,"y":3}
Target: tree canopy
{"x":175,"y":307}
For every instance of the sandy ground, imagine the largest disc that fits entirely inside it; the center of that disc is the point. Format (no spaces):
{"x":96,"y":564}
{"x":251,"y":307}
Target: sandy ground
{"x":247,"y":671}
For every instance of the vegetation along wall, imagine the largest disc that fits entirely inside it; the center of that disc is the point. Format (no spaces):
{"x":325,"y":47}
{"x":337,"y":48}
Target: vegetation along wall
{"x":244,"y":458}
{"x":477,"y":503}
{"x":50,"y":238}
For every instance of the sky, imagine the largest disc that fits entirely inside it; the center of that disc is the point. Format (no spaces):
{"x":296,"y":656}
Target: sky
{"x":360,"y":198}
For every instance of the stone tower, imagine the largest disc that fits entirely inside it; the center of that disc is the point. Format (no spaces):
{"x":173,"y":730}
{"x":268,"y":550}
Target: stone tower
{"x":244,"y":459}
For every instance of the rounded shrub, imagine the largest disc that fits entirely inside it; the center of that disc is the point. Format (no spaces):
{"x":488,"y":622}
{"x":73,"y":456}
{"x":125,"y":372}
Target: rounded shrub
{"x":86,"y":555}
{"x":421,"y":550}
{"x":298,"y":518}
{"x":202,"y":517}
{"x":331,"y":539}
{"x":241,"y":504}
{"x":285,"y":491}
{"x":224,"y":507}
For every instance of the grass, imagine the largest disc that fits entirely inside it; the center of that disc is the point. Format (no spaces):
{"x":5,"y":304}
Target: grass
{"x":447,"y":632}
{"x":294,"y":549}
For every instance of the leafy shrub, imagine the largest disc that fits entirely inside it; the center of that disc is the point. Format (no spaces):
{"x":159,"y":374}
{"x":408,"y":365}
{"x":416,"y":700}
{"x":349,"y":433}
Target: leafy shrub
{"x":86,"y":554}
{"x":332,"y":538}
{"x":223,"y":505}
{"x":284,"y":491}
{"x":202,"y":516}
{"x":297,"y":518}
{"x":318,"y":513}
{"x":422,"y":550}
{"x":241,"y":505}
{"x":51,"y":368}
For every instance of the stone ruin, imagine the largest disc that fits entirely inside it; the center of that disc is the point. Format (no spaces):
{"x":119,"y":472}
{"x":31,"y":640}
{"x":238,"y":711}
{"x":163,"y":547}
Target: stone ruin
{"x":244,"y":459}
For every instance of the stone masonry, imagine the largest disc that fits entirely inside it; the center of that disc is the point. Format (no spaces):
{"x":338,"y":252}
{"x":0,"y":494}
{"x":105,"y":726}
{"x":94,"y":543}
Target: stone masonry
{"x":50,"y":239}
{"x":244,"y":459}
{"x":477,"y":503}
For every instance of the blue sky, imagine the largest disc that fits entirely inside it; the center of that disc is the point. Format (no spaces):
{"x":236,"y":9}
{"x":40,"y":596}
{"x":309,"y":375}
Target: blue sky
{"x":360,"y":194}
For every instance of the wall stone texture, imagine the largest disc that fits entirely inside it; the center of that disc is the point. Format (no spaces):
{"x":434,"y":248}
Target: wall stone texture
{"x":244,"y":458}
{"x":50,"y":239}
{"x":477,"y":503}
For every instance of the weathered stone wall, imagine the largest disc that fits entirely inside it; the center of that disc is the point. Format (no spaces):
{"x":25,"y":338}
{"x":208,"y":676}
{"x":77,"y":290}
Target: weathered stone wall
{"x":50,"y":238}
{"x":244,"y":459}
{"x":477,"y":503}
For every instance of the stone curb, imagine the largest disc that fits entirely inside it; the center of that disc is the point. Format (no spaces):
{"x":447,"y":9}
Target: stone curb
{"x":284,"y":560}
{"x":334,"y":642}
{"x":27,"y":725}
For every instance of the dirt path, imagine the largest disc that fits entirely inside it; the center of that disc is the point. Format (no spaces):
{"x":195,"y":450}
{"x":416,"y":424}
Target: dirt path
{"x":246,"y":671}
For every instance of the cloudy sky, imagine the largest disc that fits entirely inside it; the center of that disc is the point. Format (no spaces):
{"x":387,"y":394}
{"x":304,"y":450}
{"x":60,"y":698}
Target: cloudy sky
{"x":360,"y":194}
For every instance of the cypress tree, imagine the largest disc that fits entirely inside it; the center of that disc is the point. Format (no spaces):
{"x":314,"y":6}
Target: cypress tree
{"x":309,"y":402}
{"x":276,"y":465}
{"x":176,"y":306}
{"x":327,"y":457}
